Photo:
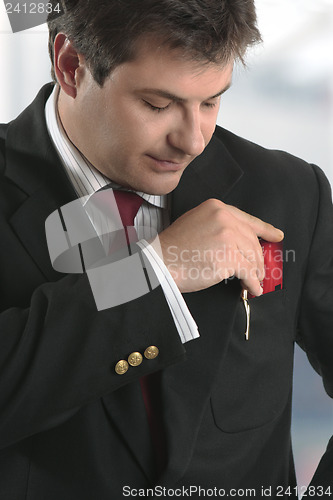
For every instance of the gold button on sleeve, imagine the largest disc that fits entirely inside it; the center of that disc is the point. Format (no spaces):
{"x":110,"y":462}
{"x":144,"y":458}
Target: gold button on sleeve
{"x":135,"y":359}
{"x":121,"y":367}
{"x":151,"y":352}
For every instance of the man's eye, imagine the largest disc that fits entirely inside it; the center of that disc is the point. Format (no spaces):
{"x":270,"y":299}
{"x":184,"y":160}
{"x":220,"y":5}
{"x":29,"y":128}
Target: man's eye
{"x":210,"y":104}
{"x":155,"y":108}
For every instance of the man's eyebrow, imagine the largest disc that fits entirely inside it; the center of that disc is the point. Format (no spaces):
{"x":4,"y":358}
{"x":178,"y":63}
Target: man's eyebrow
{"x":175,"y":98}
{"x":221,"y":91}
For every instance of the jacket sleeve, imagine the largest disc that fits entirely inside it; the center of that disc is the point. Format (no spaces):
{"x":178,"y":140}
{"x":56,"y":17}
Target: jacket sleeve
{"x":316,"y":310}
{"x":60,"y":353}
{"x":316,"y":317}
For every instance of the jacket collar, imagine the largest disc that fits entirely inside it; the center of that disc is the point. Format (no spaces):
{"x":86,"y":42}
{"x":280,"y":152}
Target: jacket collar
{"x":33,"y":165}
{"x":31,"y":160}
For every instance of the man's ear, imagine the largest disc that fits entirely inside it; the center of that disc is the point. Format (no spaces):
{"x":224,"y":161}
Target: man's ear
{"x":67,"y":64}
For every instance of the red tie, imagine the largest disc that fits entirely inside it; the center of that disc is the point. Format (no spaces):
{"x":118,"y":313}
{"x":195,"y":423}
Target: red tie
{"x":128,"y":206}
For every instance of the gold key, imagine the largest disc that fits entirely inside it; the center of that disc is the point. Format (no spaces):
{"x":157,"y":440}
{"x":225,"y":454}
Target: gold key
{"x":247,"y":310}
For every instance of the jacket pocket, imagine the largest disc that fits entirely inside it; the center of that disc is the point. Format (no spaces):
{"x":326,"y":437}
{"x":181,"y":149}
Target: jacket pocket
{"x":255,"y":377}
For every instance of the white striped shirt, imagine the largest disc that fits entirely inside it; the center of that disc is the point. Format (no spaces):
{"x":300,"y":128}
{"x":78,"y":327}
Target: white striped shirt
{"x":153,"y":213}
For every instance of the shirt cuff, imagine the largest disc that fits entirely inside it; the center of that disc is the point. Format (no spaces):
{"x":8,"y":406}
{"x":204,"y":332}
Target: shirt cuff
{"x":186,"y":326}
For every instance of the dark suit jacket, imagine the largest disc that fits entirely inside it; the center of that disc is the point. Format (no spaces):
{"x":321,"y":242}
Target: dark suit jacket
{"x":70,"y":427}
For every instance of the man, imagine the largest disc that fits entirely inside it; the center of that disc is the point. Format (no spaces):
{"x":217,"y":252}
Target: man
{"x":135,"y":106}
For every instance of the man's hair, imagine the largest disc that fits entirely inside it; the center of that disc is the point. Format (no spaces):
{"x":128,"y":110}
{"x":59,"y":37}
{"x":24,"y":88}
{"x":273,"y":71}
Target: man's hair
{"x":106,"y":32}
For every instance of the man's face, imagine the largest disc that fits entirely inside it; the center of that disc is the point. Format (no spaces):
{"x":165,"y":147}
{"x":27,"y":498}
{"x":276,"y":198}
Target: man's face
{"x":151,"y":118}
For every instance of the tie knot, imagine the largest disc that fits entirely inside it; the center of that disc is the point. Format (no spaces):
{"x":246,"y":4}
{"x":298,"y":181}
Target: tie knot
{"x":128,"y":206}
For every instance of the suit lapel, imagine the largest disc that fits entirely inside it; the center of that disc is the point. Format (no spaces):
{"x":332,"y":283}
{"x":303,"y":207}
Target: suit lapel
{"x":186,"y":386}
{"x":212,"y":175}
{"x":32,"y":164}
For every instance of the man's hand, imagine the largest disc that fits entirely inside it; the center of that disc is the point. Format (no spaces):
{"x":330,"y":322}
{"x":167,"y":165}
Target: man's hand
{"x":213,"y":242}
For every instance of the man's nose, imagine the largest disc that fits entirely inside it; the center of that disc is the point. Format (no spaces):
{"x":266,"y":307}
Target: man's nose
{"x":187,"y":136}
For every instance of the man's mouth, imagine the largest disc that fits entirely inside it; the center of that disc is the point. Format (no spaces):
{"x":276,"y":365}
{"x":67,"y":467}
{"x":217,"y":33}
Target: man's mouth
{"x":168,"y":164}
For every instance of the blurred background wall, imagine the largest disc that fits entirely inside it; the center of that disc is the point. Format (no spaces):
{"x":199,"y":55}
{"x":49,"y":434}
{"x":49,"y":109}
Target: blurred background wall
{"x":283,"y":100}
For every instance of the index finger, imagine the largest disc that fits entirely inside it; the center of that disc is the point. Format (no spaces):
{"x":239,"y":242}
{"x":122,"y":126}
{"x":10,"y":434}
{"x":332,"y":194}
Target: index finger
{"x":262,"y":229}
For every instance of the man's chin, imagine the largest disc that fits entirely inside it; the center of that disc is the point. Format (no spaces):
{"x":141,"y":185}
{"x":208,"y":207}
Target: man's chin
{"x":164,"y":186}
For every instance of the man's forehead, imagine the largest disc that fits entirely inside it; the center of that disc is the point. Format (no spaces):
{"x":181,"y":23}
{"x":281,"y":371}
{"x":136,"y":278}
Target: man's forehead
{"x":168,"y":73}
